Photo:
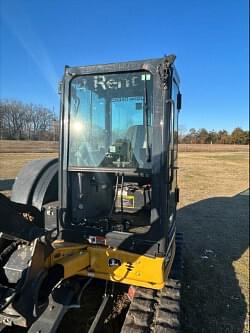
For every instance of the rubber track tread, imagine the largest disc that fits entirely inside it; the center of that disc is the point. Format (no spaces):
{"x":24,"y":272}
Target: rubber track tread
{"x":157,"y":311}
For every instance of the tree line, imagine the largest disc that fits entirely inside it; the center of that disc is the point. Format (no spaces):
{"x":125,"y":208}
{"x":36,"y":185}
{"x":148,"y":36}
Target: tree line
{"x":237,"y":136}
{"x":20,"y":121}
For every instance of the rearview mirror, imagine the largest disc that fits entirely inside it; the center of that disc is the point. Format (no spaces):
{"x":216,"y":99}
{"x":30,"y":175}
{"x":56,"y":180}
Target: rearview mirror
{"x":179,"y":101}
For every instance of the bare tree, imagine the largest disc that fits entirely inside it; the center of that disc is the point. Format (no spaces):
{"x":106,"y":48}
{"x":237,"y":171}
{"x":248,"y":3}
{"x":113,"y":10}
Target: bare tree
{"x":26,"y":121}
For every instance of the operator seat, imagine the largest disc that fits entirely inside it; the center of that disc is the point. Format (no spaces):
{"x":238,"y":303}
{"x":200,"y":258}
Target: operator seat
{"x":137,"y":136}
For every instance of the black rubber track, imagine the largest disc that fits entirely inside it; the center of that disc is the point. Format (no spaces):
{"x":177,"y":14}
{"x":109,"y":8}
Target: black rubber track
{"x":157,"y":311}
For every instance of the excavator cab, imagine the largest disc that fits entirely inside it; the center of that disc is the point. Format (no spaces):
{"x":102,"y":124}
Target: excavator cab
{"x":118,"y":155}
{"x":99,"y":222}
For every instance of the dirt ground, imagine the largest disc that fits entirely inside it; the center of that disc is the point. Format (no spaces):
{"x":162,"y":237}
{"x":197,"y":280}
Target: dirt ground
{"x":213,"y":215}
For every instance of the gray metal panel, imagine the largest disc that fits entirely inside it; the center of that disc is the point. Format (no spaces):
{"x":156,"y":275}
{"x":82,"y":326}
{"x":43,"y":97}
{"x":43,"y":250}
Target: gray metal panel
{"x":28,"y":179}
{"x":114,"y":67}
{"x":46,"y":189}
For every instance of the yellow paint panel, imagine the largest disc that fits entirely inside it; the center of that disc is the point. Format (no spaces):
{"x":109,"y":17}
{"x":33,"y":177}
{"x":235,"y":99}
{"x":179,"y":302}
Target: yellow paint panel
{"x":74,"y":264}
{"x":134,"y":268}
{"x":111,"y":264}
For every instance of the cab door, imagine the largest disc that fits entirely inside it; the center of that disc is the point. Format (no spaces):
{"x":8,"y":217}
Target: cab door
{"x":173,"y":155}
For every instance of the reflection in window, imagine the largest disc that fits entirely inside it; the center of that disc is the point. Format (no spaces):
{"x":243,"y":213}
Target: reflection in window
{"x":110,"y":120}
{"x":87,"y":129}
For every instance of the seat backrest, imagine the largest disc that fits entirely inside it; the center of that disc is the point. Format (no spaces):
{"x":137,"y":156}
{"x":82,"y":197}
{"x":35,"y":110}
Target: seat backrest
{"x":137,"y":136}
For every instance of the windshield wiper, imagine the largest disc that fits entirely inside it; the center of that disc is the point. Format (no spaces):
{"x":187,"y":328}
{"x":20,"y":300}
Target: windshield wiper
{"x":147,"y":121}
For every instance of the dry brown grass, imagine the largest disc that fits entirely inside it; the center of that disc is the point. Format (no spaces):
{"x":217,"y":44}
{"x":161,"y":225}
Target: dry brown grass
{"x":212,"y":174}
{"x":11,"y":163}
{"x":214,"y":219}
{"x":212,"y":148}
{"x":17,"y":146}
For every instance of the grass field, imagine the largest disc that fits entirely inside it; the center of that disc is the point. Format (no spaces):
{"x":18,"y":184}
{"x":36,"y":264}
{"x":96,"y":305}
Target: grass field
{"x":213,"y":216}
{"x":17,"y":146}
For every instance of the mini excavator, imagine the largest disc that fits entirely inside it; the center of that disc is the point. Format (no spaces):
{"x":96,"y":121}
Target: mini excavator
{"x":88,"y":241}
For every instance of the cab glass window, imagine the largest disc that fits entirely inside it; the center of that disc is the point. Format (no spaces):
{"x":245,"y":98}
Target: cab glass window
{"x":111,"y":120}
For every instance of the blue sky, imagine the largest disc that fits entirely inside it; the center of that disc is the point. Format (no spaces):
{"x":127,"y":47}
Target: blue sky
{"x":209,"y":37}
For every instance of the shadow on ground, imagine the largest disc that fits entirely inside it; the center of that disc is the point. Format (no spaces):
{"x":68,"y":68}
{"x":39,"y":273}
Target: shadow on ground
{"x":216,"y":233}
{"x":6,"y":184}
